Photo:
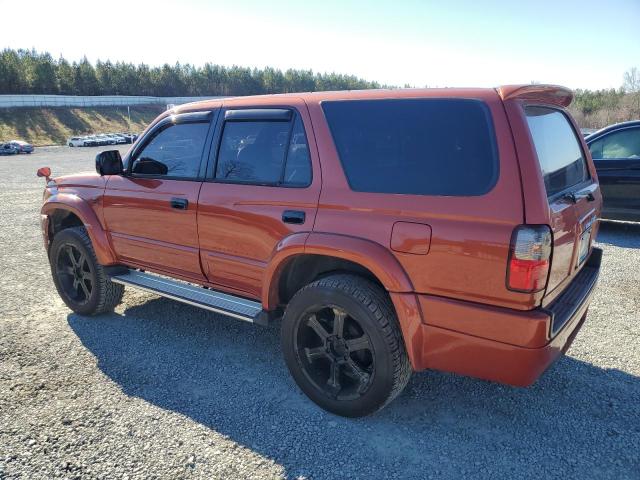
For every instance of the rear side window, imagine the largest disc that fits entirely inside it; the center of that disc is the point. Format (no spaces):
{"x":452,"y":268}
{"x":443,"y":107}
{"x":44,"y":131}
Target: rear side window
{"x":264,"y":153}
{"x":415,"y":146}
{"x":561,"y":159}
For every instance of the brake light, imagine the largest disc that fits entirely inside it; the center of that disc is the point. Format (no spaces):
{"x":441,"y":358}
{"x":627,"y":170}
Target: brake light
{"x":529,"y":258}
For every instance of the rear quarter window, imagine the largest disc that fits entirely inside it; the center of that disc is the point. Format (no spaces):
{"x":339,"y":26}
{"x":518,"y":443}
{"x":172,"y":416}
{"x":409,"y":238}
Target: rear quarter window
{"x":559,"y":153}
{"x":415,"y":146}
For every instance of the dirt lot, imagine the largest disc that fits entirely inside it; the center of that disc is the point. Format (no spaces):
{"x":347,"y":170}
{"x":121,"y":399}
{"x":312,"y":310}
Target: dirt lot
{"x":163,"y":390}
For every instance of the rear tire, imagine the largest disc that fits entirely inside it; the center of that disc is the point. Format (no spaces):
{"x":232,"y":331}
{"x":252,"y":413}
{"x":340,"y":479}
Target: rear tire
{"x":80,"y":280}
{"x":343,"y":345}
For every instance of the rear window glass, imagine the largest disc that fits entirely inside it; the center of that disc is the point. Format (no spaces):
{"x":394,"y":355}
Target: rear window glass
{"x":415,"y":146}
{"x":559,"y":153}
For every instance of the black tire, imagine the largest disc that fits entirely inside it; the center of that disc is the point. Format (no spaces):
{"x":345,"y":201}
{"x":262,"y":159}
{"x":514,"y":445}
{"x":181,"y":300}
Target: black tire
{"x":365,"y":348}
{"x":80,"y":280}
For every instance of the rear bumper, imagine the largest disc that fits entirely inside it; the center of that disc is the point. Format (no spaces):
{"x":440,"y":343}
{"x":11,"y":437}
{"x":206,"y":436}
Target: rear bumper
{"x":497,"y":344}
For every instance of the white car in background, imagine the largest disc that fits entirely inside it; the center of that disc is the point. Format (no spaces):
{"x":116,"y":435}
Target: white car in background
{"x":76,"y":142}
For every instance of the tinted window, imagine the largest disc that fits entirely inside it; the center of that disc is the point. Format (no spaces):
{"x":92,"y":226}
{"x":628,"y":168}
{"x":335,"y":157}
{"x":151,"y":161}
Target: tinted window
{"x":620,"y":144}
{"x":264,"y":153}
{"x":421,"y":146}
{"x":596,"y":148}
{"x":298,"y":166}
{"x":174,"y":151}
{"x":557,"y":147}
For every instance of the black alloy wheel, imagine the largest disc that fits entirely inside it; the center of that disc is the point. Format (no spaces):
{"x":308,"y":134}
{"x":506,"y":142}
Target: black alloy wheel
{"x":343,"y":345}
{"x":83,"y":284}
{"x":75,"y":274}
{"x":335,"y":353}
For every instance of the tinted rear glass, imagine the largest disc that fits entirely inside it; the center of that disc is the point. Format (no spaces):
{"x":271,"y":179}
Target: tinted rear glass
{"x":415,"y":146}
{"x":559,"y":153}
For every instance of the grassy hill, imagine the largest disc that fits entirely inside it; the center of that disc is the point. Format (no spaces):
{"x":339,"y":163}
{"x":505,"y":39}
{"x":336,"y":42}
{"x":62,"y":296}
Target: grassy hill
{"x":53,"y":126}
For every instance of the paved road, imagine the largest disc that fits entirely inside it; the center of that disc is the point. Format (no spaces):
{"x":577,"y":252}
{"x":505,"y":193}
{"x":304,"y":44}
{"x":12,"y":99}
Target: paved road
{"x":163,"y":390}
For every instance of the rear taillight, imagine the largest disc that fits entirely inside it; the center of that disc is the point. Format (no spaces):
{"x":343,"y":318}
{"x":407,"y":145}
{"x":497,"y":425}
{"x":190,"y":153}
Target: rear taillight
{"x":529,"y":258}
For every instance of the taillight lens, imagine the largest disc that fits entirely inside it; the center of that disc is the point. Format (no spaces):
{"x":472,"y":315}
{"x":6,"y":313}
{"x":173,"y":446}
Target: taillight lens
{"x":529,"y":258}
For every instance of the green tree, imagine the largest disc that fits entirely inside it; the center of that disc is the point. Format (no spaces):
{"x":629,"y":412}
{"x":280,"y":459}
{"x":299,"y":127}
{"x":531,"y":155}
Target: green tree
{"x":66,"y":79}
{"x":12,"y":78}
{"x":41,"y":72}
{"x":85,"y":79}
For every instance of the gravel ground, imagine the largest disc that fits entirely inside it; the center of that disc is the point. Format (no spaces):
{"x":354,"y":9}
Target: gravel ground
{"x":163,"y":390}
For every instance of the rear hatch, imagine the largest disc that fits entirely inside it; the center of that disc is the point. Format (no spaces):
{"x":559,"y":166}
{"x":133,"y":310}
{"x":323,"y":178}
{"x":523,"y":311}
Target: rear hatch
{"x":559,"y":181}
{"x":571,"y":190}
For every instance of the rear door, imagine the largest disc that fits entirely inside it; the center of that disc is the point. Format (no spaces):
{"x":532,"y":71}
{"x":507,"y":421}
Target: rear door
{"x":570,"y":187}
{"x":617,"y":159}
{"x":263,"y":183}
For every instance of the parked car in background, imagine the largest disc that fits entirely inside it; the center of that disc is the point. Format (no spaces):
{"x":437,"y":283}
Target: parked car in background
{"x":91,"y":141}
{"x":616,"y":155}
{"x":76,"y":141}
{"x":22,"y":146}
{"x":120,"y":140}
{"x":8,"y":149}
{"x":105,"y":140}
{"x":128,"y":137}
{"x":102,"y":139}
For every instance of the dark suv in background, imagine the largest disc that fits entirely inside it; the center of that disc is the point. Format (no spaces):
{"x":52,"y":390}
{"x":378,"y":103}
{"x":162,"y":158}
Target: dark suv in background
{"x":616,"y":155}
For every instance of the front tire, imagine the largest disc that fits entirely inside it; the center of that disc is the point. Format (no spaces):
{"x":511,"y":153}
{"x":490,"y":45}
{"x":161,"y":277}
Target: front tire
{"x":80,"y":280}
{"x":343,"y":345}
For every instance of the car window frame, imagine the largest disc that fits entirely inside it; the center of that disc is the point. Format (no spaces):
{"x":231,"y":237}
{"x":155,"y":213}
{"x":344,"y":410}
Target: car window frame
{"x":204,"y":116}
{"x":581,"y":146}
{"x":213,"y":156}
{"x":491,"y":128}
{"x":603,"y":138}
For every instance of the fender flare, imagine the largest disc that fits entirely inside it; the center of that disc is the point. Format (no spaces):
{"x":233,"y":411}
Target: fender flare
{"x":369,"y":254}
{"x":86,"y":214}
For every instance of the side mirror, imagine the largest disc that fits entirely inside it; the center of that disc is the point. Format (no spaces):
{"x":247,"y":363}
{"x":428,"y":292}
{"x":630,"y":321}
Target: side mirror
{"x":44,"y":172}
{"x":109,"y":162}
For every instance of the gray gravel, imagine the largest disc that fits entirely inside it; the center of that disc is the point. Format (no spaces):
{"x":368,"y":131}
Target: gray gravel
{"x":163,"y":390}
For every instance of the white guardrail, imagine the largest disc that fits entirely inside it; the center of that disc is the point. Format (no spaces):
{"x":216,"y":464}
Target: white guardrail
{"x":18,"y":101}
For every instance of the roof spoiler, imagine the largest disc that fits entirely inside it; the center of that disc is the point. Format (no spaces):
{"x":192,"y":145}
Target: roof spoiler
{"x":554,"y":94}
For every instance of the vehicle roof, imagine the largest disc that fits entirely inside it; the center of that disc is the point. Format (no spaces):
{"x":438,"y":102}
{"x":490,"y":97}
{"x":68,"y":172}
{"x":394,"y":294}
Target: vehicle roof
{"x":611,"y":128}
{"x":548,"y":93}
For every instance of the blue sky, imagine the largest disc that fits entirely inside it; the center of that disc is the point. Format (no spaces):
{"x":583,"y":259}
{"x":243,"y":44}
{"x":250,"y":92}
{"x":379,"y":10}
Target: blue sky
{"x":580,"y":44}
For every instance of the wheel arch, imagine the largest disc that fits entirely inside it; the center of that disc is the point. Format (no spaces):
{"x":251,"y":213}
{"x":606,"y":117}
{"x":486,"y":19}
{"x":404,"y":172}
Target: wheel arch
{"x":62,"y":211}
{"x":302,"y":257}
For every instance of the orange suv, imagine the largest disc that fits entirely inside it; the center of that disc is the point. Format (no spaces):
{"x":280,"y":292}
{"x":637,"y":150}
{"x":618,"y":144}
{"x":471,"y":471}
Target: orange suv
{"x":392,"y":230}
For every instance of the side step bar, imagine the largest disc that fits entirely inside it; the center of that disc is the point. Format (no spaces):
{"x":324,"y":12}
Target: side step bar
{"x":195,"y":295}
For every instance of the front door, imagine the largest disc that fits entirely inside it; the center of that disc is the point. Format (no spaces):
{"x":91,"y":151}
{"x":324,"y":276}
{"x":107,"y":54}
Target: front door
{"x":263,"y":184}
{"x":617,"y":159}
{"x":150,"y":211}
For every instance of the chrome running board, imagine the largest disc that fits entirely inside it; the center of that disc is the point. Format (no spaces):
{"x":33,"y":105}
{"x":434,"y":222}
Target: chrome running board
{"x":195,"y":295}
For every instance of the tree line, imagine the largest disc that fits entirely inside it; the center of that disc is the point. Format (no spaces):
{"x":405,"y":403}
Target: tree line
{"x":599,"y":108}
{"x":31,"y":72}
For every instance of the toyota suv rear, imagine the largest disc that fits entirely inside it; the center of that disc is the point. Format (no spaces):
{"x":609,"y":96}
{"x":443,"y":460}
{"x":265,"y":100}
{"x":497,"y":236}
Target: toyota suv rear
{"x":391,"y":231}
